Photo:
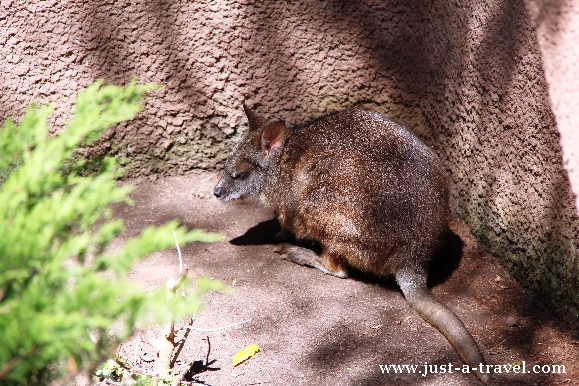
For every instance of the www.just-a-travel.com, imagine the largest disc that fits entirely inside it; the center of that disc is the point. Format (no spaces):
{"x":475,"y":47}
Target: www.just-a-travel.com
{"x":428,"y":369}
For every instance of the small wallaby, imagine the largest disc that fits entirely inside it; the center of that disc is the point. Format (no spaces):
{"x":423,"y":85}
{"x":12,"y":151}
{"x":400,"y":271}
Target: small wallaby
{"x":369,"y":192}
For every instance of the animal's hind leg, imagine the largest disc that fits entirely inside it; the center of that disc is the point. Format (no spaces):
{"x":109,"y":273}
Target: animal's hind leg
{"x":304,"y":256}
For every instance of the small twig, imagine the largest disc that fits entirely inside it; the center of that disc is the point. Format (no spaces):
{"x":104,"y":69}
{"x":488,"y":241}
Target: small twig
{"x":181,"y":343}
{"x":208,"y":351}
{"x":180,"y":261}
{"x":136,"y":355}
{"x":205,"y":179}
{"x":167,"y":355}
{"x":172,"y":285}
{"x":123,"y":362}
{"x":166,"y":343}
{"x":178,"y":252}
{"x":7,"y":368}
{"x":216,"y":329}
{"x":492,"y":348}
{"x":187,"y":367}
{"x":491,"y":281}
{"x":151,"y":341}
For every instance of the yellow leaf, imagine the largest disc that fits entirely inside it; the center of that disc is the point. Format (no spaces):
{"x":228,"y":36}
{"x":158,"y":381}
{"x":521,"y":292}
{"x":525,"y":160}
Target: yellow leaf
{"x":245,"y":354}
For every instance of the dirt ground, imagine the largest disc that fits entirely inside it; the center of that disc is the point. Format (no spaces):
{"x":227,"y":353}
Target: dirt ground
{"x":315,"y":329}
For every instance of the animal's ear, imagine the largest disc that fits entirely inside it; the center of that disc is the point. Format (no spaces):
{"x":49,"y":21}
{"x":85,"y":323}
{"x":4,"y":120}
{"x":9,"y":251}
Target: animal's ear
{"x":272,"y":137}
{"x":255,"y":121}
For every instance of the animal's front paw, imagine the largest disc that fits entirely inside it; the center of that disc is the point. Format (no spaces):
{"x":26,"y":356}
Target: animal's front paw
{"x":283,"y":251}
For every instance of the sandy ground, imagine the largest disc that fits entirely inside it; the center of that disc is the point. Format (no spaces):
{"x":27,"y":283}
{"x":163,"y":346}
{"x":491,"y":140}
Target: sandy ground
{"x":315,"y":329}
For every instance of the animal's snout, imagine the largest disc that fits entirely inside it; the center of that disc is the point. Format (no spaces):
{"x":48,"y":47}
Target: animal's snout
{"x":218,"y":191}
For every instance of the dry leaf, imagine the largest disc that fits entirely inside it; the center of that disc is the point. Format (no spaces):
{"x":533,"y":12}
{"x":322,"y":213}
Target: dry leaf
{"x":245,"y":354}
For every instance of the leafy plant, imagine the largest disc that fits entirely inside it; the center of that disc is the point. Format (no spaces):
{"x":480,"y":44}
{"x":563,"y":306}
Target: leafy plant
{"x":110,"y":369}
{"x":60,"y":293}
{"x":145,"y":380}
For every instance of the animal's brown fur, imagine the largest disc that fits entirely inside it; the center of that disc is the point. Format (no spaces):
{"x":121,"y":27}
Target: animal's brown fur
{"x":367,"y":190}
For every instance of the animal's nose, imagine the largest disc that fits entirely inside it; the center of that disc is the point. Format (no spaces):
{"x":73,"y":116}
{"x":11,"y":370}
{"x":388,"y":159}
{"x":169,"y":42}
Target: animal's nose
{"x":217,"y":191}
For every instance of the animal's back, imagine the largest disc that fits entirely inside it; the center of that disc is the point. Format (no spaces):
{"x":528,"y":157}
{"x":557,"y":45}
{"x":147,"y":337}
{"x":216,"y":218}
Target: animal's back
{"x":371,"y":190}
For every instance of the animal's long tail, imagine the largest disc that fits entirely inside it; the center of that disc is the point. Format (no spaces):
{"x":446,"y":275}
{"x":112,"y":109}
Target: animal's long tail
{"x":435,"y":313}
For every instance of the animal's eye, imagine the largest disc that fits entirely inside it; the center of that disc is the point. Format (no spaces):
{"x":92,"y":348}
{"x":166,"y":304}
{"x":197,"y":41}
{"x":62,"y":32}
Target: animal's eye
{"x":240,"y":176}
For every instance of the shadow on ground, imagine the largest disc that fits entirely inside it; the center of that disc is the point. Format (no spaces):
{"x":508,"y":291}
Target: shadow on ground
{"x":317,"y":329}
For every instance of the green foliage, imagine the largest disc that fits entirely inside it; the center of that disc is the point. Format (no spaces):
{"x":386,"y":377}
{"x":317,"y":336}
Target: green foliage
{"x":147,"y":380}
{"x":116,"y":371}
{"x":110,"y":369}
{"x":60,"y":294}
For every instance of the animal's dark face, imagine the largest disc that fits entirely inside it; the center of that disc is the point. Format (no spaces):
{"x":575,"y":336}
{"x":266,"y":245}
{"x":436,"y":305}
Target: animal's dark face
{"x":247,"y":165}
{"x":242,"y":175}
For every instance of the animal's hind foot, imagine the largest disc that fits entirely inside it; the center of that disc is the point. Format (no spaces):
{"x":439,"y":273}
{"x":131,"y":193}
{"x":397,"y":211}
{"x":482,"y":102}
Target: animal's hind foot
{"x":307,"y":257}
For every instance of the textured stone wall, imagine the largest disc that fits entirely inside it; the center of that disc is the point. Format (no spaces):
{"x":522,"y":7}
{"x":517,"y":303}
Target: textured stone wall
{"x":466,"y":76}
{"x":557,"y":26}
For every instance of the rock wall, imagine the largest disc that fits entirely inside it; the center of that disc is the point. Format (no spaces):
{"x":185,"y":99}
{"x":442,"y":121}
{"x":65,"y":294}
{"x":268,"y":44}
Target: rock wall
{"x":466,"y":76}
{"x":556,"y":23}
